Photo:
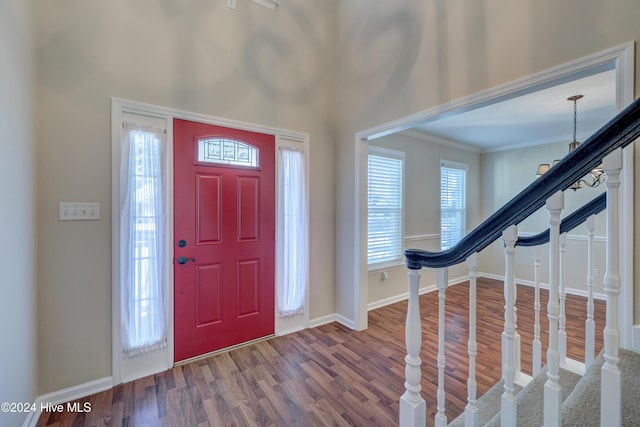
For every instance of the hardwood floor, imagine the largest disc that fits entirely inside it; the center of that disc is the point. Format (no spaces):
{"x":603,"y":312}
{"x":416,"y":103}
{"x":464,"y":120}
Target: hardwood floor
{"x":331,"y":375}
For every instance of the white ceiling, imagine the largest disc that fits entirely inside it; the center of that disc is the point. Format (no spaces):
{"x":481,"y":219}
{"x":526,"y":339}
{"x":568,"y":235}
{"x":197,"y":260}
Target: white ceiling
{"x":536,"y":118}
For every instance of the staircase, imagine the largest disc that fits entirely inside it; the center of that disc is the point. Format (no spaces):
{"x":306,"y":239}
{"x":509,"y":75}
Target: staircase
{"x":560,"y":393}
{"x":581,"y":404}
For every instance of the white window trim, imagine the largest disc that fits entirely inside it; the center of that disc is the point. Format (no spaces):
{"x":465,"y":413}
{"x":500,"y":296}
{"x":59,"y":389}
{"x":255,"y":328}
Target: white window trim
{"x":162,"y":359}
{"x":129,"y":368}
{"x":400,"y":155}
{"x":454,"y":165}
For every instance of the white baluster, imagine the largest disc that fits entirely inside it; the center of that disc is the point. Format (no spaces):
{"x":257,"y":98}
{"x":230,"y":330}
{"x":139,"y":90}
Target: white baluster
{"x":517,"y":362}
{"x":552,"y":390}
{"x":508,"y":413}
{"x":413,"y":409}
{"x":442,"y":281}
{"x":610,"y":405}
{"x":590,"y":324}
{"x":471,"y":414}
{"x":562,"y":331}
{"x":537,"y":344}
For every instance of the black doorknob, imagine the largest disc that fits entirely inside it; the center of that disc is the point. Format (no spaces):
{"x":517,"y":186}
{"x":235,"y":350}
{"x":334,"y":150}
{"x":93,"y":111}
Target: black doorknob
{"x":184,"y":260}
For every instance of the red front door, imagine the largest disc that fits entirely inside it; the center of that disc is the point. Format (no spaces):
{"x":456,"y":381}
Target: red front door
{"x":224,"y":228}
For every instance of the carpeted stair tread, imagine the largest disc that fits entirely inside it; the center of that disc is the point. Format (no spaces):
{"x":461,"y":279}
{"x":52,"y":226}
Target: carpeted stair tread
{"x":488,"y":404}
{"x":582,"y":407}
{"x":530,"y":400}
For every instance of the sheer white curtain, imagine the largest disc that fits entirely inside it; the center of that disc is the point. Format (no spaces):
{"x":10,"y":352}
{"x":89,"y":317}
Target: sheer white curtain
{"x":292,"y":243}
{"x":142,"y":231}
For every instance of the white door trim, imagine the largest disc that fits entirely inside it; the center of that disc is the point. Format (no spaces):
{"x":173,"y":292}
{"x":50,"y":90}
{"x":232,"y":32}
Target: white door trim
{"x":162,"y":359}
{"x":622,"y":57}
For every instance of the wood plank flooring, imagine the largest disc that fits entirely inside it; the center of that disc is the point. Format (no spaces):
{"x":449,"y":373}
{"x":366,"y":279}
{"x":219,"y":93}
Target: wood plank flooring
{"x":331,"y":375}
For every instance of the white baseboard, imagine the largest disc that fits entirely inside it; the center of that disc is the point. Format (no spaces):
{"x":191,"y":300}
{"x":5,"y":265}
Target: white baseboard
{"x":67,"y":395}
{"x":329,"y":318}
{"x":345,"y":321}
{"x":144,"y":373}
{"x":403,"y":296}
{"x":323,"y":320}
{"x":570,"y":291}
{"x":397,"y":298}
{"x":290,"y":330}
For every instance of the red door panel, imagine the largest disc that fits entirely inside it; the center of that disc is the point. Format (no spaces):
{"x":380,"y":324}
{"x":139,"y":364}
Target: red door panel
{"x":208,"y":288}
{"x":248,"y":288}
{"x":248,"y":208}
{"x":208,"y":204}
{"x":224,"y":222}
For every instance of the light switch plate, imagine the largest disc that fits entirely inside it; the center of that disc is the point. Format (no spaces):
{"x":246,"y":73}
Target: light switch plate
{"x":75,"y":211}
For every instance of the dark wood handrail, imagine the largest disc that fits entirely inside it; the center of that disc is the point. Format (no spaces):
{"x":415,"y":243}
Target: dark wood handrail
{"x":595,"y":206}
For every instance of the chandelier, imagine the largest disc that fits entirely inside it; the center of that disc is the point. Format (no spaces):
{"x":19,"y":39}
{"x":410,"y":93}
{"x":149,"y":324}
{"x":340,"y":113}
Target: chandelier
{"x":596,"y":176}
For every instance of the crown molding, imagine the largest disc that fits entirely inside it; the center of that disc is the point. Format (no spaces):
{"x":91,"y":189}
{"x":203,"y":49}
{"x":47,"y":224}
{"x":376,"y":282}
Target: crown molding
{"x":440,"y":141}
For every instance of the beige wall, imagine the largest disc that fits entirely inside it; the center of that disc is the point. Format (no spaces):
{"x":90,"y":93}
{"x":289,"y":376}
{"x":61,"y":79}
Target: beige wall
{"x":251,"y":64}
{"x":18,"y":375}
{"x":410,"y":55}
{"x":422,"y":206}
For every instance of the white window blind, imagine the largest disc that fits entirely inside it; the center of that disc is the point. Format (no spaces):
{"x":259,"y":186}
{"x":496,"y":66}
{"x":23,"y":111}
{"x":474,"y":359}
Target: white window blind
{"x":453,"y":203}
{"x":385,"y":206}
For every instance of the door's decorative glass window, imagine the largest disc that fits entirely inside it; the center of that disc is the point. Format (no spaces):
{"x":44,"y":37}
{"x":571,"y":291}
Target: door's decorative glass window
{"x":227,"y":152}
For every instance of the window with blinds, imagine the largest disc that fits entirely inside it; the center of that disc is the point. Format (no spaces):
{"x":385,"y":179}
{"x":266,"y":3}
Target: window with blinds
{"x":385,"y":207}
{"x":453,"y":202}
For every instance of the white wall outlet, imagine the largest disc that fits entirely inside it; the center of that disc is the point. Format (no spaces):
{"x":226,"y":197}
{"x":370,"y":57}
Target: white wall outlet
{"x":596,"y":273}
{"x":72,"y":211}
{"x":384,"y":276}
{"x":231,"y":4}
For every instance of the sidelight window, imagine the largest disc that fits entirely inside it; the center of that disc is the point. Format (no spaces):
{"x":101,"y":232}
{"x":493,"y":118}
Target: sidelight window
{"x":293,"y":232}
{"x":142,"y":229}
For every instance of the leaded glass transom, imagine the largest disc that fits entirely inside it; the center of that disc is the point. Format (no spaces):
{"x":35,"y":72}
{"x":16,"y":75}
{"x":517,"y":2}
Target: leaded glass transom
{"x":227,"y":151}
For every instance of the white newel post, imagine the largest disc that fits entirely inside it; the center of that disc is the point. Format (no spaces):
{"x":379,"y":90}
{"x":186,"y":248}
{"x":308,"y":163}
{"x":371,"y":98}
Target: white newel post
{"x":413,"y":409}
{"x":590,"y":324}
{"x":562,"y":331}
{"x":442,"y":281}
{"x":508,"y":413}
{"x":471,"y":414}
{"x":610,"y":404}
{"x":552,"y":390}
{"x":537,"y":344}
